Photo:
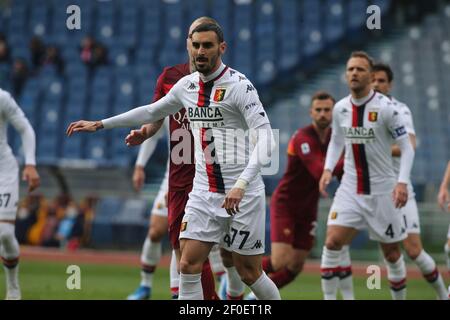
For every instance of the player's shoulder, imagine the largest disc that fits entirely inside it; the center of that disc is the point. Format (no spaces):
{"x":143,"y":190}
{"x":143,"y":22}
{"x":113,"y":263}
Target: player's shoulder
{"x":401,"y":105}
{"x":343,"y":104}
{"x":172,"y":74}
{"x":5,"y":97}
{"x":238,"y":80}
{"x":382,"y":100}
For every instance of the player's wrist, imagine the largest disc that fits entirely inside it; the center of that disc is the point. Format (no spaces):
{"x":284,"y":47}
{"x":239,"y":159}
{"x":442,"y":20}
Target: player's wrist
{"x":98,"y":125}
{"x":241,"y":184}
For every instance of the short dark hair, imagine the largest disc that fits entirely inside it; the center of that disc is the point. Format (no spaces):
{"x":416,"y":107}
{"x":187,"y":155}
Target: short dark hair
{"x":322,"y":95}
{"x":364,"y":55}
{"x":384,"y":67}
{"x":204,"y":27}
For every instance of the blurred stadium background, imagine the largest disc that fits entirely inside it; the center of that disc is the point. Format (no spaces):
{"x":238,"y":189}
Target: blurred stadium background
{"x":287,"y":48}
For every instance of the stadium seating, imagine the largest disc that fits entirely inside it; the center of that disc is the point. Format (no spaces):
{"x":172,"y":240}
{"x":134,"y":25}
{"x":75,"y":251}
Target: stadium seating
{"x":266,"y":38}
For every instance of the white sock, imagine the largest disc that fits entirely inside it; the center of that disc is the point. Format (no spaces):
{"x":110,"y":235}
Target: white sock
{"x":235,"y":286}
{"x":10,"y":254}
{"x":329,"y":269}
{"x":265,"y":289}
{"x":190,"y":287}
{"x":151,"y":254}
{"x":428,"y":268}
{"x":215,"y":260}
{"x":345,"y":275}
{"x":174,"y":275}
{"x":397,"y":278}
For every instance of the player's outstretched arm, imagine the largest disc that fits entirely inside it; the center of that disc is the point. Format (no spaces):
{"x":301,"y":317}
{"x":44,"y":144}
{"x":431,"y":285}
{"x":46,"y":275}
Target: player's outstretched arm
{"x":83,"y":125}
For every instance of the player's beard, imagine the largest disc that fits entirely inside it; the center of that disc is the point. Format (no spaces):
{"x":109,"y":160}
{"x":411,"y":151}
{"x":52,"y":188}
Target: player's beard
{"x":322,"y":123}
{"x":207,"y":68}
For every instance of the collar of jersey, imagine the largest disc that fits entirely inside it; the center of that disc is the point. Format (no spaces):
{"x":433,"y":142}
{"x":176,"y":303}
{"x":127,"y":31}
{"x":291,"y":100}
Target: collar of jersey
{"x":213,"y":75}
{"x":364,"y":100}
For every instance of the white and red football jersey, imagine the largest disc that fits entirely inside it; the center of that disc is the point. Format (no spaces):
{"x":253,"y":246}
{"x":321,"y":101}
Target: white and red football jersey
{"x":368,"y":130}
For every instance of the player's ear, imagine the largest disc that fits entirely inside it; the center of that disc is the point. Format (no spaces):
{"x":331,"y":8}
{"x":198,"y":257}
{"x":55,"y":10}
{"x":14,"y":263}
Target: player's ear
{"x":223,"y":47}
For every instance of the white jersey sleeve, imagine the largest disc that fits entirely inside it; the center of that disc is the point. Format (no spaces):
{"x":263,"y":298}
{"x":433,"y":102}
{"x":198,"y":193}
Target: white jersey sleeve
{"x":247,"y":99}
{"x":16,"y":117}
{"x":337,"y":142}
{"x":394,"y":122}
{"x":407,"y":119}
{"x":155,"y":111}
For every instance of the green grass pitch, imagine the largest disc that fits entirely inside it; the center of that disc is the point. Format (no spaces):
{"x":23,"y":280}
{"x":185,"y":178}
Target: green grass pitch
{"x":47,"y":280}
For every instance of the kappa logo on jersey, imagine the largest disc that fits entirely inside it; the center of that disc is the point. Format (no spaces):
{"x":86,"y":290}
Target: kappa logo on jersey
{"x":192,"y":86}
{"x":250,"y":88}
{"x":219,"y":94}
{"x":373,"y":116}
{"x":333,"y":215}
{"x":232,"y":72}
{"x":183,"y":226}
{"x":344,"y":111}
{"x":305,"y":148}
{"x":241,"y":78}
{"x":359,"y":135}
{"x":257,"y":245}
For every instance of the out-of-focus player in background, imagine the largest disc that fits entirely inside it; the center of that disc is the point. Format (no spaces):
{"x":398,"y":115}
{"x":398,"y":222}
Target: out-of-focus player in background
{"x":9,"y":187}
{"x":216,"y":98}
{"x":444,"y":202}
{"x":370,"y":194}
{"x":382,"y":82}
{"x":294,"y":204}
{"x":152,"y":248}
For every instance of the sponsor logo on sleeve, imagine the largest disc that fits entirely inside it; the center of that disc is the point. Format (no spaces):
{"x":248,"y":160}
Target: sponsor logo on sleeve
{"x":183,"y":226}
{"x":305,"y":148}
{"x":333,"y":215}
{"x":398,"y":132}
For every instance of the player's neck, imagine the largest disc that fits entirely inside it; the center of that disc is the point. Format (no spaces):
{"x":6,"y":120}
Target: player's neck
{"x":214,"y":73}
{"x":361,"y":98}
{"x":322,"y":133}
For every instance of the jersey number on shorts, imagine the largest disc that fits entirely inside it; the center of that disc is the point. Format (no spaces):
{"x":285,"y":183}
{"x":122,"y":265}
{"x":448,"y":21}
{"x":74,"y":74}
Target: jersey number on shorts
{"x":389,"y":232}
{"x":229,"y":241}
{"x":4,"y":199}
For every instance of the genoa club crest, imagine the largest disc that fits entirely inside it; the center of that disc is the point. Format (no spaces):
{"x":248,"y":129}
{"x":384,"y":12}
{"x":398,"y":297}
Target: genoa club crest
{"x":373,"y":116}
{"x":219,"y":95}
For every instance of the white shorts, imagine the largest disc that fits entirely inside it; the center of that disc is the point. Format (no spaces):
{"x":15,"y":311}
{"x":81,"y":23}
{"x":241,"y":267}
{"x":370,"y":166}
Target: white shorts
{"x":376,"y":213}
{"x":243,"y":233}
{"x":159,"y":205}
{"x":9,"y":189}
{"x":411,"y":216}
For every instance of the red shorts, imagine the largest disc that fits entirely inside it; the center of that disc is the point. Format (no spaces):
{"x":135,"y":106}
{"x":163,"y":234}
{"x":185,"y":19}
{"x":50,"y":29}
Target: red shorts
{"x":177,"y":202}
{"x":296,"y":228}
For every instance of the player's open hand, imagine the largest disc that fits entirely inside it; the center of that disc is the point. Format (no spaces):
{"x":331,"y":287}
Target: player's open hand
{"x":31,"y":175}
{"x":136,"y":137}
{"x":232,"y":200}
{"x":443,"y":199}
{"x":83,"y":125}
{"x":138,"y":178}
{"x":400,"y":195}
{"x":324,"y":182}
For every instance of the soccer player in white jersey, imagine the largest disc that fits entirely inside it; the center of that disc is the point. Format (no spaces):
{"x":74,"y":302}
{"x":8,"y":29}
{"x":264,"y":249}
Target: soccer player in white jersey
{"x":227,"y":203}
{"x":9,"y":187}
{"x":370,"y":195}
{"x":152,"y":248}
{"x":444,"y":202}
{"x":382,"y":82}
